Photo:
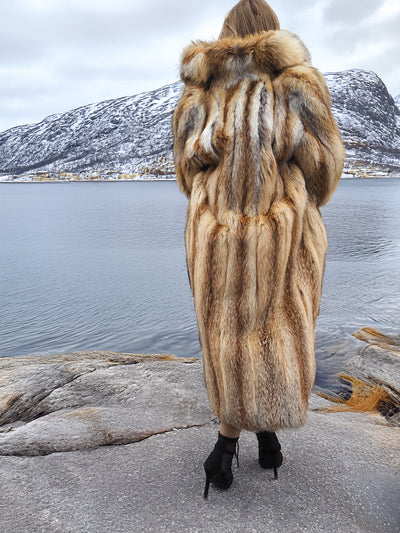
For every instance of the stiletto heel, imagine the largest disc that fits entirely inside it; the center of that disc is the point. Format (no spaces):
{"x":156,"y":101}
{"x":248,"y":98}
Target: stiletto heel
{"x":208,"y":479}
{"x":275,"y":471}
{"x":218,"y":464}
{"x":269,"y":451}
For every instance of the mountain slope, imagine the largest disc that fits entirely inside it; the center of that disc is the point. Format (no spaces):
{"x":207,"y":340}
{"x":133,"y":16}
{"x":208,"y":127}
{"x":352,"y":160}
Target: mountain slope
{"x":367,"y":117}
{"x":119,"y":135}
{"x":132,"y":135}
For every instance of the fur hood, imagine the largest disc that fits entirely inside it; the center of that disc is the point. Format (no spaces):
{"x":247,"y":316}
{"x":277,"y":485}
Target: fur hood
{"x":269,"y":52}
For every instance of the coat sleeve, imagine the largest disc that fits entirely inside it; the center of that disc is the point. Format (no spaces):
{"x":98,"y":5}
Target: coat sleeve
{"x":318,"y":149}
{"x":190,"y":155}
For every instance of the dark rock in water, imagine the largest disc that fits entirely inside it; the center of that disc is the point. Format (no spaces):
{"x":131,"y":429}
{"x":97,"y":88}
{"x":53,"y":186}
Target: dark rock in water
{"x":132,"y":135}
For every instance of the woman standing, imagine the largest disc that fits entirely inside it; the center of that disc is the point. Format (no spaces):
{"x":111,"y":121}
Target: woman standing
{"x":257,"y":152}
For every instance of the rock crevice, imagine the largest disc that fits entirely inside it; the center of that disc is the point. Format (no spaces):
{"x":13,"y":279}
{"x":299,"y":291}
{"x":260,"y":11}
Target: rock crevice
{"x":86,"y":400}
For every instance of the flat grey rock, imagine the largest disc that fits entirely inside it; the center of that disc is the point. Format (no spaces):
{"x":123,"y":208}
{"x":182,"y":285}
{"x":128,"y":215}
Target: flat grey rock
{"x":85,"y":400}
{"x":340,"y":474}
{"x":97,"y":442}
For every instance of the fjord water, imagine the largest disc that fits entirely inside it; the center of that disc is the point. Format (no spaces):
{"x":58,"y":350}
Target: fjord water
{"x":101,"y":266}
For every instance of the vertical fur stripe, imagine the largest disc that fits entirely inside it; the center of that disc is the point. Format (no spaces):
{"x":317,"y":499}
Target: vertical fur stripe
{"x":257,"y":150}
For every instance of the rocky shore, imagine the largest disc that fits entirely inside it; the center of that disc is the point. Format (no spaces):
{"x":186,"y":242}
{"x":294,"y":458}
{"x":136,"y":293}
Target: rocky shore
{"x":103,"y":441}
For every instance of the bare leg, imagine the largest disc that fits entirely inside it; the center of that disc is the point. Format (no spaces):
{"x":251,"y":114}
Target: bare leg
{"x":229,"y":431}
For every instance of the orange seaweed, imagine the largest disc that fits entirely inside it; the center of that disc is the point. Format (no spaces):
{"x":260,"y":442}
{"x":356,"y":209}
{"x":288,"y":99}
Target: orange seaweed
{"x":365,"y":398}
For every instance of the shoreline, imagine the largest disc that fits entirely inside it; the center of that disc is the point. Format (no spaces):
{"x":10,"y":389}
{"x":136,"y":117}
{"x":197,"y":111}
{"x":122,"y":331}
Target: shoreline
{"x":371,"y":373}
{"x":92,"y":181}
{"x":147,"y":180}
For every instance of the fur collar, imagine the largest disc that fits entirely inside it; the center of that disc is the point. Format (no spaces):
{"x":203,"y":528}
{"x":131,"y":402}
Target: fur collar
{"x":227,"y":59}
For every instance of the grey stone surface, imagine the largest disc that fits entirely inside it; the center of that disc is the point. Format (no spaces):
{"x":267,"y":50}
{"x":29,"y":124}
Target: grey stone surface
{"x":341,"y":471}
{"x":86,"y":400}
{"x":340,"y":474}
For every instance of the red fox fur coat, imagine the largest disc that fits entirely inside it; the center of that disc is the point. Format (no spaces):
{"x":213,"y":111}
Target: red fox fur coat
{"x":257,"y":151}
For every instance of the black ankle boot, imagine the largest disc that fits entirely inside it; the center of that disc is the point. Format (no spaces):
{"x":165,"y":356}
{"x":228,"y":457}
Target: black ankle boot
{"x":218,"y":464}
{"x":269,"y":451}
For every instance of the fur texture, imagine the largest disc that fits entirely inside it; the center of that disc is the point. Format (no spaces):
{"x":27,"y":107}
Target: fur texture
{"x":257,"y":151}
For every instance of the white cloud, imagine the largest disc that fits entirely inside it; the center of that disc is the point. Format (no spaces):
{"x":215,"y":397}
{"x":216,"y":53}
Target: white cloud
{"x":60,"y":54}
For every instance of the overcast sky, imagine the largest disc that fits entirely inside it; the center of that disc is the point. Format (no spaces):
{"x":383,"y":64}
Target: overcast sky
{"x":56,"y":55}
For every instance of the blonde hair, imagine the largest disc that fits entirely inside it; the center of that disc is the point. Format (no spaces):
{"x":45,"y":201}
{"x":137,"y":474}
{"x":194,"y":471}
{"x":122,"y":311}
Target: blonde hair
{"x":248,"y":17}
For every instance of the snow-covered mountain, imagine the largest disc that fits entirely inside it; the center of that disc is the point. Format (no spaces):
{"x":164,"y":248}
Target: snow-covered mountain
{"x":368,"y":118}
{"x":122,"y":135}
{"x":132,"y":135}
{"x":397,"y":101}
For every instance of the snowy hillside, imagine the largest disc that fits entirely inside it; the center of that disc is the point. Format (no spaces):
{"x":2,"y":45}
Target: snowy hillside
{"x":123,"y":135}
{"x":367,"y":117}
{"x":131,"y":136}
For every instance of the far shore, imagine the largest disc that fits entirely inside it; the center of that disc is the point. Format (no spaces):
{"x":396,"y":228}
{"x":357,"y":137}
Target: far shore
{"x":139,"y":180}
{"x":152,"y":179}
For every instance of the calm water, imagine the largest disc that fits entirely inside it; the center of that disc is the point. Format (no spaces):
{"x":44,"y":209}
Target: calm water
{"x":102,"y":266}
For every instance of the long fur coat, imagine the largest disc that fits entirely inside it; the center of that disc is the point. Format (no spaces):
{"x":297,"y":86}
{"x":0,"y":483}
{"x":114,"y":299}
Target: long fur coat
{"x":257,"y":151}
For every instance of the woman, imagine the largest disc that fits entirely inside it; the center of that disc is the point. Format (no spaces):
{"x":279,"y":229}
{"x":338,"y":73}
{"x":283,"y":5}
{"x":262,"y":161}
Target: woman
{"x":257,"y":152}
